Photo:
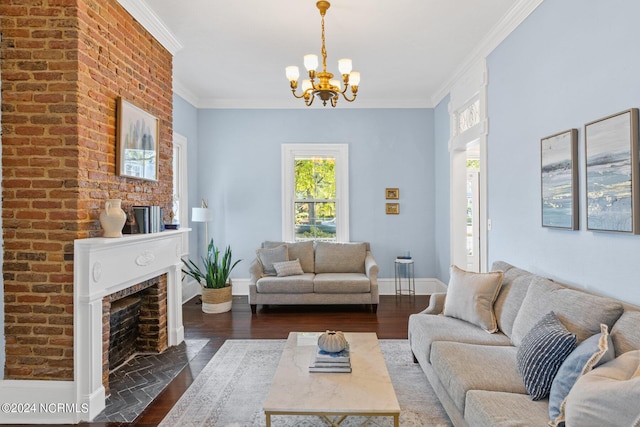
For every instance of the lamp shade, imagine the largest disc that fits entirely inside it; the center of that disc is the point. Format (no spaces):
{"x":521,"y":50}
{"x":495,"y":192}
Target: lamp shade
{"x":292,"y":73}
{"x":354,"y":78}
{"x":311,"y":62}
{"x":201,"y":215}
{"x":345,"y":66}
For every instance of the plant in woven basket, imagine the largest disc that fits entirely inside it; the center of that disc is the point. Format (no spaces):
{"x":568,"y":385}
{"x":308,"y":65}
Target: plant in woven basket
{"x":216,"y":269}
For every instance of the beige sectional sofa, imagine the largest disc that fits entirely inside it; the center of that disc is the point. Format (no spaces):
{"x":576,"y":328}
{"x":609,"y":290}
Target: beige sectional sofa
{"x":287,"y":273}
{"x":480,"y":377}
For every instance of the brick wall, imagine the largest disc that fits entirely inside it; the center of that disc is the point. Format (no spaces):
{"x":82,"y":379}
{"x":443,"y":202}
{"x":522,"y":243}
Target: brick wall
{"x":64,"y":63}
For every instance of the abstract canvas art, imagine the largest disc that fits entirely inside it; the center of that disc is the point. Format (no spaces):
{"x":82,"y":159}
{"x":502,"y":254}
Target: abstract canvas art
{"x":611,"y":153}
{"x":559,"y":172}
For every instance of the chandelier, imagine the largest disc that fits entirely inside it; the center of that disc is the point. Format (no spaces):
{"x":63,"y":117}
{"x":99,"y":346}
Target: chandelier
{"x":326,"y":88}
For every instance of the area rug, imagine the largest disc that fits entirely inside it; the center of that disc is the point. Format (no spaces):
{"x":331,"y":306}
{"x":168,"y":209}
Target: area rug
{"x":230,"y":390}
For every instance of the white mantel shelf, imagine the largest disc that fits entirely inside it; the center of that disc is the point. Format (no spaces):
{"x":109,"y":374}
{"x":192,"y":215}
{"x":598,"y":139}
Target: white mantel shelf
{"x":102,"y":266}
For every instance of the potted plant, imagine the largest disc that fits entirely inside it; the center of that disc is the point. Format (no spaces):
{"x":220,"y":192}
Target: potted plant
{"x":214,"y":278}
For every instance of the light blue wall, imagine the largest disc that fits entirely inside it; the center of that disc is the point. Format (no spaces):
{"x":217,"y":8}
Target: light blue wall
{"x":185,"y":122}
{"x":239,"y":171}
{"x":570,"y":62}
{"x":442,"y":170}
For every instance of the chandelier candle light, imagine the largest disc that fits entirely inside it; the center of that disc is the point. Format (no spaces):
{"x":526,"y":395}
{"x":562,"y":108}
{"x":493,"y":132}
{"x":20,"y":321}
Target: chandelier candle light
{"x":327,"y":88}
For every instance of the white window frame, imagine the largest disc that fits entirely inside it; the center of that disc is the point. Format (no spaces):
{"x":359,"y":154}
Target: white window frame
{"x":181,"y":188}
{"x":340,"y":152}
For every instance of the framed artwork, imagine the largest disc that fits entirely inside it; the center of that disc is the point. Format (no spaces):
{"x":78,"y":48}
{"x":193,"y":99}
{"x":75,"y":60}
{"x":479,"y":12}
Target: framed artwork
{"x":559,"y":174}
{"x":393,"y":208}
{"x":392,"y":193}
{"x":137,"y":142}
{"x":611,"y":155}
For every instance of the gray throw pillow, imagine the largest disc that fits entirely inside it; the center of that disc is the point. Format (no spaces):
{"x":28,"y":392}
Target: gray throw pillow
{"x":541,"y":354}
{"x":470,"y":297}
{"x":288,"y":268}
{"x":269,"y":256}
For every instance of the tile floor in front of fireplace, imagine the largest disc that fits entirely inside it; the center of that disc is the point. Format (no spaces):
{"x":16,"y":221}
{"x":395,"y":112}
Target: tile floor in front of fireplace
{"x":138,"y":381}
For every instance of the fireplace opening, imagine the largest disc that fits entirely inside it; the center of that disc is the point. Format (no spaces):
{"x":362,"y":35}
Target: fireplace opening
{"x":134,"y":321}
{"x":123,"y":327}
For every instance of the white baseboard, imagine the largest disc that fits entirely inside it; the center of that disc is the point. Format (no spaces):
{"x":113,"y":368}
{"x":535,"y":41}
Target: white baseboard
{"x":40,"y":402}
{"x":424,"y":286}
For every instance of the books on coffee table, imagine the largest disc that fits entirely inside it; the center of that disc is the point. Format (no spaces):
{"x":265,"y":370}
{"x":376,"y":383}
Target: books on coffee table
{"x":331,"y":362}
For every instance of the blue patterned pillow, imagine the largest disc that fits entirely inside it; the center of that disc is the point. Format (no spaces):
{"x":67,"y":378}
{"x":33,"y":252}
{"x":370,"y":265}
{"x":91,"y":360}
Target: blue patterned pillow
{"x":541,"y":354}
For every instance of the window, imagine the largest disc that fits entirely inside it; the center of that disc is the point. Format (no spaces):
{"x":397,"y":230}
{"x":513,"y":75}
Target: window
{"x":179,"y":207}
{"x":315,"y":192}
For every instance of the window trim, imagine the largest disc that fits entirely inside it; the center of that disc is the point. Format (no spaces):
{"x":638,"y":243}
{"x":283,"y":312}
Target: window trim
{"x":289,"y":153}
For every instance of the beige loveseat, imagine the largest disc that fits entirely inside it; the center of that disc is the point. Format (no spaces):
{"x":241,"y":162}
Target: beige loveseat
{"x":324,"y":273}
{"x":479,"y":376}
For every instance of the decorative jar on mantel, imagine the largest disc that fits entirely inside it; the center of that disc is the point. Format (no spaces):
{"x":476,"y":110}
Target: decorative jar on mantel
{"x":112,"y":219}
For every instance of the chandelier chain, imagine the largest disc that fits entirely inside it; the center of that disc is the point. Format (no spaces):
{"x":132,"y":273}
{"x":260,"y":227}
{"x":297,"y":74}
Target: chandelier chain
{"x":324,"y":49}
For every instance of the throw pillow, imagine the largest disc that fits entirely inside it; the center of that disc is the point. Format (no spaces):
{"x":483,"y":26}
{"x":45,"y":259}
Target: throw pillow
{"x":470,"y":297}
{"x":608,"y":395}
{"x":288,"y":268}
{"x":542,"y":352}
{"x":267,"y":256}
{"x":592,"y":352}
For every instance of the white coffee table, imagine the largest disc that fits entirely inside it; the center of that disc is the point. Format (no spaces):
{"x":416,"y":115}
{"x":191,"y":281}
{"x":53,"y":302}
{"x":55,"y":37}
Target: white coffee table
{"x":366,"y":391}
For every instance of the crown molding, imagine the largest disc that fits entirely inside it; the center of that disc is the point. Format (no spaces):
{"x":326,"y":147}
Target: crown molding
{"x":152,"y":23}
{"x":512,"y":19}
{"x":182,"y":91}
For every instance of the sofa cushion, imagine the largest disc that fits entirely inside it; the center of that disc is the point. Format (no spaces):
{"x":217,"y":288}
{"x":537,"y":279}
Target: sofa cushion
{"x":570,"y":305}
{"x":340,"y":257}
{"x":288,"y":268}
{"x":512,"y":292}
{"x":470,"y":297}
{"x":286,"y":285}
{"x":341,"y":283}
{"x":608,"y":395}
{"x":302,"y":251}
{"x":269,"y":256}
{"x":499,"y":409}
{"x":590,"y":353}
{"x":462,"y":367}
{"x":625,"y":333}
{"x":425,"y":329}
{"x":541,"y":353}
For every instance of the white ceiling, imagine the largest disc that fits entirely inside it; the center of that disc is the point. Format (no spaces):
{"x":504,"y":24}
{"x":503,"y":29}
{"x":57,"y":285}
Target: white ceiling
{"x":232,"y":54}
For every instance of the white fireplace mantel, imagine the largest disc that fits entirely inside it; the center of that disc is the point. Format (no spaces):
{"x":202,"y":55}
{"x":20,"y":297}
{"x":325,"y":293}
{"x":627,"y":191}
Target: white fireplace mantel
{"x":102,"y":266}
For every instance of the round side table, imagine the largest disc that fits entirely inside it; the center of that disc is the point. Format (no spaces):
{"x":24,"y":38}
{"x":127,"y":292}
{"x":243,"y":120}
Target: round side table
{"x":406,"y":265}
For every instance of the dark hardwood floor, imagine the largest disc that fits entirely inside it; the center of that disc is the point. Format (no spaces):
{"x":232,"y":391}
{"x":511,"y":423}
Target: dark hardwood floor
{"x":273,"y":322}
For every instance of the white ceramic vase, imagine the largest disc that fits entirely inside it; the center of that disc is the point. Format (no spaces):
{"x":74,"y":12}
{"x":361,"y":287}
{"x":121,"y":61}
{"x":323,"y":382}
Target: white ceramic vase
{"x":112,"y":219}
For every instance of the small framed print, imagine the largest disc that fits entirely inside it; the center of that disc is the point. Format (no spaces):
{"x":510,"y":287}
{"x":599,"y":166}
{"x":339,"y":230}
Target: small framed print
{"x":393,"y":208}
{"x":137,"y":142}
{"x":392,"y":193}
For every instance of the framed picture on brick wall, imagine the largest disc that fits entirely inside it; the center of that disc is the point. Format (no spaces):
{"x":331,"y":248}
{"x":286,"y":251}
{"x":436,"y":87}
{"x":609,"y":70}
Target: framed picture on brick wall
{"x":137,"y":142}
